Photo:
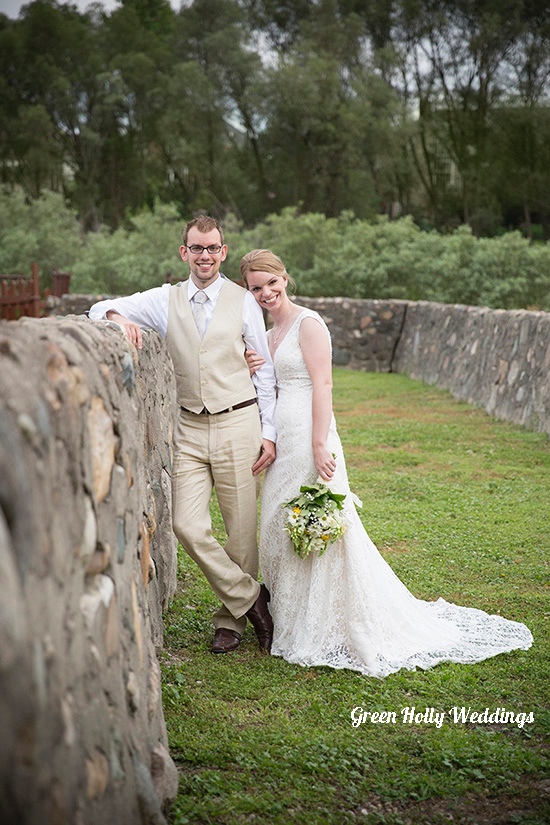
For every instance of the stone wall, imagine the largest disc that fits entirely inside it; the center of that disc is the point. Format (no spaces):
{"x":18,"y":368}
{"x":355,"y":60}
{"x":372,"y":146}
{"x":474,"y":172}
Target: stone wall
{"x":495,"y":359}
{"x":364,"y":333}
{"x":87,"y":564}
{"x":87,"y":553}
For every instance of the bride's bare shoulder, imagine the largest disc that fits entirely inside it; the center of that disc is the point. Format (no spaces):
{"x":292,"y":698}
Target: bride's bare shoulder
{"x":313,"y":329}
{"x":312,"y":320}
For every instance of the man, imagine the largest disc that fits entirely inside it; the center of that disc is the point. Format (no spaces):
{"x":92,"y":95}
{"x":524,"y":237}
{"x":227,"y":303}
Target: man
{"x":225,"y":435}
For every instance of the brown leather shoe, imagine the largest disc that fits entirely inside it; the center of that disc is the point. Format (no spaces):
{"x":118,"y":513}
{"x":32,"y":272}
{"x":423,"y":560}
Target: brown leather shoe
{"x":225,"y":640}
{"x":261,"y":619}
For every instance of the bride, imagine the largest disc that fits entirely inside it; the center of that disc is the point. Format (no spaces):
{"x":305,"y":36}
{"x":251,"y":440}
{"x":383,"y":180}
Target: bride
{"x":346,"y":608}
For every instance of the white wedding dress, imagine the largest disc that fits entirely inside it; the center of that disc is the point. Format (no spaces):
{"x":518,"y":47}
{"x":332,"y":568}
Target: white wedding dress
{"x":347,"y":608}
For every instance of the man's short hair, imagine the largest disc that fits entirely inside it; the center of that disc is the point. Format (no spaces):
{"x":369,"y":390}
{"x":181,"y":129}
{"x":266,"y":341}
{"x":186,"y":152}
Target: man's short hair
{"x":204,"y":223}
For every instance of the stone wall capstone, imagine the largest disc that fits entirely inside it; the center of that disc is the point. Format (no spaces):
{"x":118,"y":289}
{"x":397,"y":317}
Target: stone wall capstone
{"x":87,"y":564}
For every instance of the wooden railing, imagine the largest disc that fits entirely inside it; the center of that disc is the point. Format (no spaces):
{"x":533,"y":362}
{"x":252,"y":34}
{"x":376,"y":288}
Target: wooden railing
{"x":61,"y":283}
{"x":20,"y":295}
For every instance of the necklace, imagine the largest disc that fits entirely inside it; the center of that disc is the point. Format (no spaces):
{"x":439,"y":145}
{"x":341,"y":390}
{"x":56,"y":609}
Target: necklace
{"x":277,"y":331}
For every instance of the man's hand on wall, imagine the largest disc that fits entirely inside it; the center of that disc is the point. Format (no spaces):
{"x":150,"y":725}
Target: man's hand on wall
{"x":131,"y":330}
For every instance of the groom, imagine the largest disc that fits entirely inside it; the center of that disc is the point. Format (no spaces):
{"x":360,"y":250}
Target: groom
{"x":225,"y":434}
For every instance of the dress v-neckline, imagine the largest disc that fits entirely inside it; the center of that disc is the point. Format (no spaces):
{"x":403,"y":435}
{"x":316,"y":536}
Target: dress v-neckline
{"x":285,"y":336}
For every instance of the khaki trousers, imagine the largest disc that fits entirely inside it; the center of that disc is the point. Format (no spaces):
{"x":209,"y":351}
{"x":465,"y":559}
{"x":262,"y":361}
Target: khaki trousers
{"x":219,"y":451}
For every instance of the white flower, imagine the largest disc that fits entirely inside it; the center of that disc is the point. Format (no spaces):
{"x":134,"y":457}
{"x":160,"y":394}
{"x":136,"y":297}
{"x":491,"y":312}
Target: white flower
{"x":314,"y":519}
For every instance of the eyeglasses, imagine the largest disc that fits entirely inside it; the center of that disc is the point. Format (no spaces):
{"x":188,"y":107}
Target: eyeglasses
{"x":214,"y":249}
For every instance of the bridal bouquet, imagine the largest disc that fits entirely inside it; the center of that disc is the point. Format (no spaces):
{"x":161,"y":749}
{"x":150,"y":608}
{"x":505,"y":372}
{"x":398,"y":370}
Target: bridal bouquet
{"x":314,"y":519}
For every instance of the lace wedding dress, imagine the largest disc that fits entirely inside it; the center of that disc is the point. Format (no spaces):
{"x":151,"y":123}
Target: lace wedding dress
{"x":347,"y":608}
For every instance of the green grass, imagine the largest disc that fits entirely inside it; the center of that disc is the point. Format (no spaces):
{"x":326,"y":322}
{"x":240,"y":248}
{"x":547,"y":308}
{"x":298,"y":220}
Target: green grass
{"x":457,"y":503}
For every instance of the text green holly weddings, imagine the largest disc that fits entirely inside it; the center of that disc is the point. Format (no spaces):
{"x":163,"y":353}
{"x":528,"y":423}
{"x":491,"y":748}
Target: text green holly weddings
{"x":431,"y":716}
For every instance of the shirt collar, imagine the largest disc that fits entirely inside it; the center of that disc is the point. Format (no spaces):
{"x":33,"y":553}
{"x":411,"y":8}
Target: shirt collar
{"x":212,"y":291}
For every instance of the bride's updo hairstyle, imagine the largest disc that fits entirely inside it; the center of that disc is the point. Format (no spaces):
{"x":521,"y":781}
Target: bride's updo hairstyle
{"x":264,"y":260}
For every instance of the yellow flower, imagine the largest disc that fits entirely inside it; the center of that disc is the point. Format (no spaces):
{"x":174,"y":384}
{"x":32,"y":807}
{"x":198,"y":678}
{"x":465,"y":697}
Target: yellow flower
{"x":296,"y":510}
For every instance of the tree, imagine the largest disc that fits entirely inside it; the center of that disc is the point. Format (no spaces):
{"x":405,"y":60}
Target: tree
{"x":455,"y":60}
{"x":437,"y":108}
{"x":210,"y":111}
{"x":334,"y":124}
{"x":34,"y":56}
{"x":137,"y":59}
{"x":279,"y":21}
{"x":525,"y":123}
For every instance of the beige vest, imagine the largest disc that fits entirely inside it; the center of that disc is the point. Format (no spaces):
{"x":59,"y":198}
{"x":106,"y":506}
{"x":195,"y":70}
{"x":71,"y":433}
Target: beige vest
{"x":211,"y":373}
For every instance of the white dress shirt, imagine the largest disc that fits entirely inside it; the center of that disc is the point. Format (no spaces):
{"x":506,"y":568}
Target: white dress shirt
{"x":149,"y":309}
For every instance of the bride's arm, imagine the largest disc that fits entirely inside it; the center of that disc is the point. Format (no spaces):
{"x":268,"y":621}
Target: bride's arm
{"x":315,"y":346}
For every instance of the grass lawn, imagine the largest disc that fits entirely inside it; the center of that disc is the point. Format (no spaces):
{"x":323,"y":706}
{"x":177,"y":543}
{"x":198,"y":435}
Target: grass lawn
{"x":458,"y":504}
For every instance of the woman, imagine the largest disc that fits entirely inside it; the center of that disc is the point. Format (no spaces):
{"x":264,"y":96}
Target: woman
{"x":345,"y":608}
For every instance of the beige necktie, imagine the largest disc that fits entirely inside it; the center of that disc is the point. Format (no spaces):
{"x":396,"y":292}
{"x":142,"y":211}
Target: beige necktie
{"x":199,"y":312}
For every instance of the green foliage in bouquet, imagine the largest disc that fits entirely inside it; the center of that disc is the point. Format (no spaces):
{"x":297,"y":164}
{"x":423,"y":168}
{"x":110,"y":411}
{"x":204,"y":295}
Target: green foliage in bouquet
{"x":314,"y":519}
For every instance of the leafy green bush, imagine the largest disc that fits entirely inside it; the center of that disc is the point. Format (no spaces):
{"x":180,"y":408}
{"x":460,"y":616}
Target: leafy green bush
{"x":396,"y":259}
{"x":513,"y":273}
{"x":327,"y":257}
{"x":132,"y":259}
{"x":42,"y":230}
{"x":300,"y":240}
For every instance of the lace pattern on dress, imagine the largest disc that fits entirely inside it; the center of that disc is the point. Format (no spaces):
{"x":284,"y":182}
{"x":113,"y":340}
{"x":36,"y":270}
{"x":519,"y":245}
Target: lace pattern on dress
{"x":348,"y":609}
